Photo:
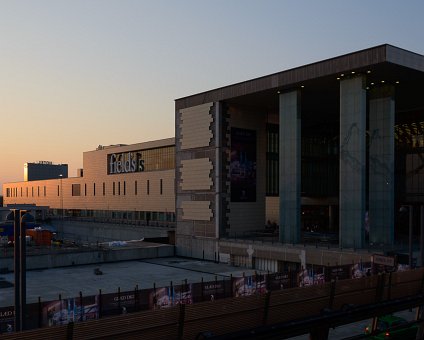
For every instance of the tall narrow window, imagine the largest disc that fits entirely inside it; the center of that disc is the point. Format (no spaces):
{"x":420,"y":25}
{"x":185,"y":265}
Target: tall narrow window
{"x":32,"y":191}
{"x":119,"y":188}
{"x":85,"y":189}
{"x":113,"y":188}
{"x":94,"y":189}
{"x":38,"y":191}
{"x":161,"y":186}
{"x":58,"y":192}
{"x":44,"y":191}
{"x":104,"y":188}
{"x":148,"y":187}
{"x":135,"y":188}
{"x":21,"y":191}
{"x":125,"y":188}
{"x":27,"y":192}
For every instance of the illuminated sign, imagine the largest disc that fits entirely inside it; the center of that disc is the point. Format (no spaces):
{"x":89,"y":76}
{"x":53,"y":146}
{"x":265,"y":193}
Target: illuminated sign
{"x":126,"y":162}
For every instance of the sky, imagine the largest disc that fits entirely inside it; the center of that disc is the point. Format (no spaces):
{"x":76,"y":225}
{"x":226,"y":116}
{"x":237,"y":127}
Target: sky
{"x":82,"y":73}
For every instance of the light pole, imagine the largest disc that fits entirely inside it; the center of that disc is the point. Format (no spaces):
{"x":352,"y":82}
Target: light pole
{"x":61,"y":202}
{"x":20,"y":218}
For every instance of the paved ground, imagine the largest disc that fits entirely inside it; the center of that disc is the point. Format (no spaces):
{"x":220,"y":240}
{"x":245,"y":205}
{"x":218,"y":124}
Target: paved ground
{"x":69,"y":281}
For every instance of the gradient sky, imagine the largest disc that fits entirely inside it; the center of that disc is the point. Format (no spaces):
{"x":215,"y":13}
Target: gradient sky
{"x":76,"y":74}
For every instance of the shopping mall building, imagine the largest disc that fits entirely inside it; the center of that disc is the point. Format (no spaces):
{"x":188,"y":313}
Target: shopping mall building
{"x":334,"y":148}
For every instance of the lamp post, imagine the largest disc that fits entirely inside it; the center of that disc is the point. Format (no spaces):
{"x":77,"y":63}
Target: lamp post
{"x":20,"y":218}
{"x":61,"y":202}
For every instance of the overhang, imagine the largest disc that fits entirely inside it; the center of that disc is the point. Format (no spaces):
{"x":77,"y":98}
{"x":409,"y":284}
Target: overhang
{"x":384,"y":63}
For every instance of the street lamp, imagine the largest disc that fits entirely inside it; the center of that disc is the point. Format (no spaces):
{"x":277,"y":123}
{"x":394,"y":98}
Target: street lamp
{"x":20,"y":218}
{"x":61,"y":201}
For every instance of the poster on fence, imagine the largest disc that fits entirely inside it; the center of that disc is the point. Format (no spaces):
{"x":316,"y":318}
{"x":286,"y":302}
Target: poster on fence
{"x":249,"y":285}
{"x":7,"y":319}
{"x":124,"y":302}
{"x":338,"y":272}
{"x":211,"y":290}
{"x":61,"y":312}
{"x":161,"y":298}
{"x":278,"y":281}
{"x":183,"y":294}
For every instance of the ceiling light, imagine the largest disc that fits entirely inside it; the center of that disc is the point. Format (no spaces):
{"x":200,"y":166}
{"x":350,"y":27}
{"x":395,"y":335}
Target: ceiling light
{"x":368,"y":71}
{"x":397,"y":81}
{"x":353,"y":72}
{"x":338,"y":78}
{"x":372,"y":83}
{"x":382,"y":81}
{"x":278,"y":92}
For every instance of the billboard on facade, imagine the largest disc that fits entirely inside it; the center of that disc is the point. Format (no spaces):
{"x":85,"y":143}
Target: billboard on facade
{"x":243,"y":165}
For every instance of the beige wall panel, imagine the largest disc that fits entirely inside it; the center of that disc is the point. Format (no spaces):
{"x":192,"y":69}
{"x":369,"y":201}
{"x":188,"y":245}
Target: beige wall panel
{"x":195,"y":122}
{"x":196,"y":174}
{"x":196,"y":210}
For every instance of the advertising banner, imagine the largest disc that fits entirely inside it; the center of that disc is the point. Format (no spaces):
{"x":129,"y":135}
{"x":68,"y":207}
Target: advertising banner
{"x":243,"y":165}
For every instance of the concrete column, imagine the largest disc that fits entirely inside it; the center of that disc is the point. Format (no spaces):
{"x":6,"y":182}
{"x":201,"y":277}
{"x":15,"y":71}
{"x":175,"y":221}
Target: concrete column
{"x":290,"y":172}
{"x":381,"y":164}
{"x":352,"y":162}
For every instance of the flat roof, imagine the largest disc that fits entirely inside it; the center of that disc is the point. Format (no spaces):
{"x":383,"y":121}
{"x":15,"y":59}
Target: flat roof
{"x":381,"y":60}
{"x":69,"y":281}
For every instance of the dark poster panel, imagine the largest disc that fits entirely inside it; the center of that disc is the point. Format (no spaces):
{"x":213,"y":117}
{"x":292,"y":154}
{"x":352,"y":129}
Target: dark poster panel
{"x":243,"y":165}
{"x":7,"y":319}
{"x":337,"y":272}
{"x":211,"y":290}
{"x":277,"y":281}
{"x":124,"y":302}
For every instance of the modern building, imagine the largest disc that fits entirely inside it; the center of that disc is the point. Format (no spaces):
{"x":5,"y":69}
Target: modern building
{"x":44,"y":170}
{"x":334,"y":147}
{"x":119,"y":183}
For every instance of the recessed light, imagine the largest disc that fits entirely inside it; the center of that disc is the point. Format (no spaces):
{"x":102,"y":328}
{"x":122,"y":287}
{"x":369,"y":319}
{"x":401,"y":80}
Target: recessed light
{"x":342,"y":75}
{"x":278,"y":92}
{"x":353,"y":72}
{"x":338,"y":78}
{"x":367,"y":88}
{"x":368,"y":71}
{"x":372,"y":83}
{"x":382,"y":81}
{"x":397,"y":81}
{"x":302,"y":86}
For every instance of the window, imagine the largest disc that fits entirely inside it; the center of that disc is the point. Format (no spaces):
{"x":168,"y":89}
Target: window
{"x":94,"y":189}
{"x":125,"y":188}
{"x":148,"y":187}
{"x":85,"y":189}
{"x":113,"y":188}
{"x":119,"y":188}
{"x":58,"y":193}
{"x":32,"y":191}
{"x":76,"y":189}
{"x":38,"y":191}
{"x":104,"y":188}
{"x":27,"y":192}
{"x":161,"y":186}
{"x":135,"y":188}
{"x":21,"y":191}
{"x":44,"y":191}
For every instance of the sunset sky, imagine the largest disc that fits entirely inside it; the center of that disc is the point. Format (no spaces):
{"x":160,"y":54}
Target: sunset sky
{"x":76,"y":74}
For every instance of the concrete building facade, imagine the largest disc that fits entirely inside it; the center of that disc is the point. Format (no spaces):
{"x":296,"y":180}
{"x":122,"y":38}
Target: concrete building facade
{"x":331,"y":147}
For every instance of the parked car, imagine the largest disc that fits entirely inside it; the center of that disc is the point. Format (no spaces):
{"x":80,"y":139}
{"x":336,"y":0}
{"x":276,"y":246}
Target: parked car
{"x":392,"y":327}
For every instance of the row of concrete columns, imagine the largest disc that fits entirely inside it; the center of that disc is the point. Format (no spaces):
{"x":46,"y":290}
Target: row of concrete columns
{"x":353,"y":167}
